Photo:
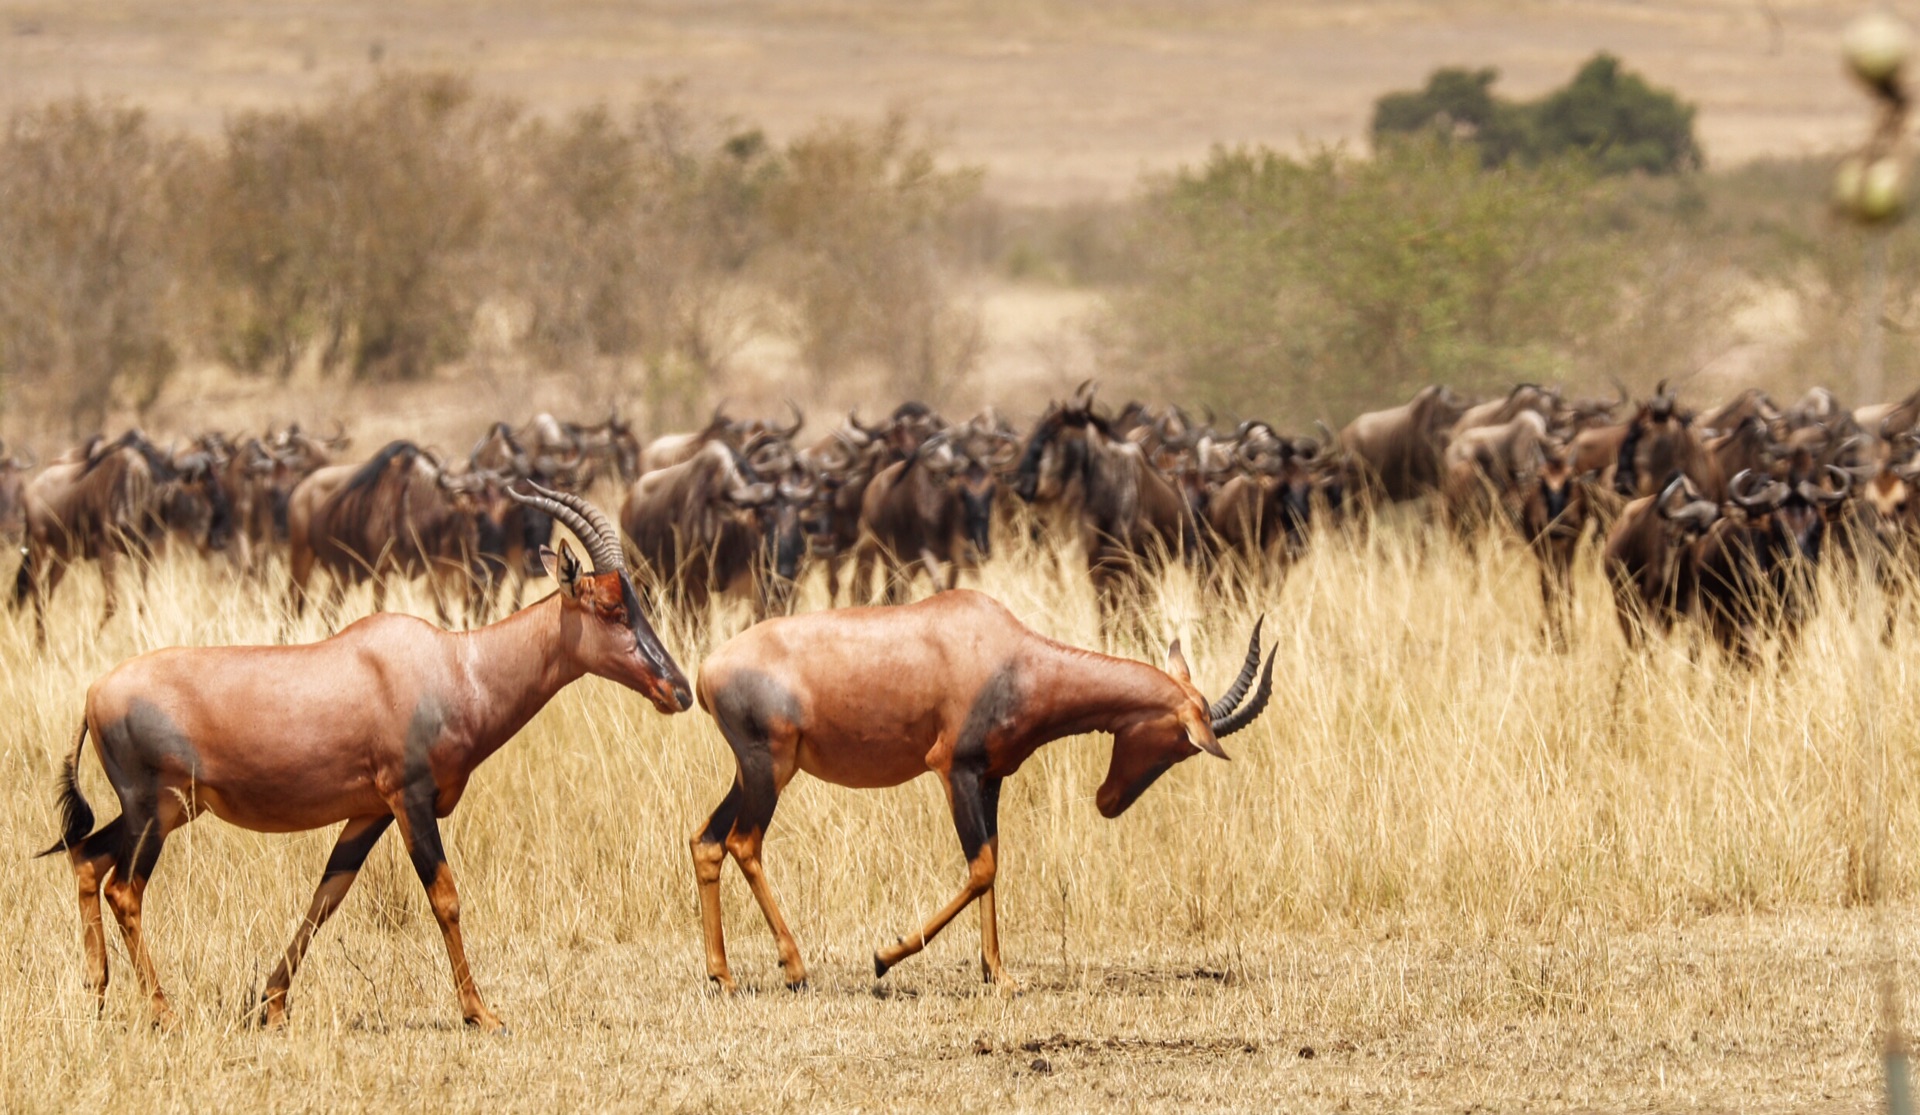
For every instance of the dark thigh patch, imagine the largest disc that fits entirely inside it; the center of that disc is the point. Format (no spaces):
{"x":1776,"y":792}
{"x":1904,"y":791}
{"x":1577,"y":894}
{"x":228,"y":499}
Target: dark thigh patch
{"x":753,"y":704}
{"x":146,"y":744}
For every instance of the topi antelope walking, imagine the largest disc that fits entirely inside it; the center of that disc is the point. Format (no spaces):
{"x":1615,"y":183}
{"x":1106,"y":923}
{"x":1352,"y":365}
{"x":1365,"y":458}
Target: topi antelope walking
{"x":383,"y":722}
{"x":873,"y":697}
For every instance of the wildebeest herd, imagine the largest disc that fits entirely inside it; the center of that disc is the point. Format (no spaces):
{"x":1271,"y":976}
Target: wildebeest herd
{"x":1719,"y":516}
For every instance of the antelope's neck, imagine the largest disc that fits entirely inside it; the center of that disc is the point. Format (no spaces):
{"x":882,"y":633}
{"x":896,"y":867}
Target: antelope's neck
{"x":1075,"y":691}
{"x":506,"y":672}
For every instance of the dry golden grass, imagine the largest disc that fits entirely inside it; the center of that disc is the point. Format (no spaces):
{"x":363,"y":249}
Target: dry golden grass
{"x":1461,"y":870}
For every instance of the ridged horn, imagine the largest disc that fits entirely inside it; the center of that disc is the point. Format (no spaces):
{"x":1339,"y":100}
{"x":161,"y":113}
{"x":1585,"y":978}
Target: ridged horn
{"x":1226,"y":703}
{"x":1233,"y":722}
{"x":585,"y":520}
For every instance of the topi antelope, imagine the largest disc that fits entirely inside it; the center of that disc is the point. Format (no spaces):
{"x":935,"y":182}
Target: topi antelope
{"x":873,"y":697}
{"x":384,"y":722}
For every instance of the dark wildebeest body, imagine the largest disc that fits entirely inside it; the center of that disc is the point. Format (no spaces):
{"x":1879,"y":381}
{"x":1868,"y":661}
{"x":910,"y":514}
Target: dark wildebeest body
{"x":1647,"y":557}
{"x":924,"y":513}
{"x":1400,"y":449}
{"x":709,"y":526}
{"x":397,"y":514}
{"x":1130,"y":519}
{"x":93,"y":504}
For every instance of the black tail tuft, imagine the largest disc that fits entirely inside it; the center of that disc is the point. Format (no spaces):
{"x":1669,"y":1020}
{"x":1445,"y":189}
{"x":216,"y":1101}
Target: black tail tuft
{"x":76,"y":816}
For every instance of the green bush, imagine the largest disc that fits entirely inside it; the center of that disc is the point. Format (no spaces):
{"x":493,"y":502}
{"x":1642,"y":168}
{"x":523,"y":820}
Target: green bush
{"x":1319,"y":286}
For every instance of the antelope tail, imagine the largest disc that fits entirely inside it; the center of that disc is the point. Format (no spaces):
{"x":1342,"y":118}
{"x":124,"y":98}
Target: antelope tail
{"x":76,"y":816}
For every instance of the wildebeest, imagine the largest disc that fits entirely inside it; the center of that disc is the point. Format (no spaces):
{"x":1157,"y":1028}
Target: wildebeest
{"x":1648,"y":556}
{"x":1128,"y":517}
{"x":94,"y":503}
{"x":710,"y":525}
{"x":922,"y":514}
{"x":1660,"y":443}
{"x":400,"y":513}
{"x":1555,"y":505}
{"x":1399,"y":449}
{"x":668,"y":450}
{"x":1754,"y":574}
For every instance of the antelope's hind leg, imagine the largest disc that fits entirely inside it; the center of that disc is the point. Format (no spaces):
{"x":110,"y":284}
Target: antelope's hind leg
{"x":343,"y":866}
{"x":709,"y":856}
{"x":144,"y":823}
{"x":92,"y":860}
{"x":758,"y":722}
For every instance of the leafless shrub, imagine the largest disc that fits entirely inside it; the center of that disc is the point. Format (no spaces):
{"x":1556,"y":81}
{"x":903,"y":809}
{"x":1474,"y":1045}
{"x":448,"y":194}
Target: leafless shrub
{"x":862,"y":217}
{"x":356,"y":226}
{"x":626,"y":239}
{"x":84,"y":273}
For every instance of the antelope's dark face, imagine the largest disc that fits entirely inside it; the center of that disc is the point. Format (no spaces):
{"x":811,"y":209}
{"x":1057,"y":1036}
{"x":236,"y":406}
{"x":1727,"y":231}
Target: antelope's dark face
{"x":1147,"y":747}
{"x":610,"y":635}
{"x":1144,"y":751}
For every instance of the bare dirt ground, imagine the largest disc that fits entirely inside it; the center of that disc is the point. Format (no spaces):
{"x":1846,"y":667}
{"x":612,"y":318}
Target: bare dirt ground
{"x":1057,"y":100}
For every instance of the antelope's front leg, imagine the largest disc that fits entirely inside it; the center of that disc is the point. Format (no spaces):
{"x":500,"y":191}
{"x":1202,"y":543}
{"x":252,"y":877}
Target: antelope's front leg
{"x":421,"y":828}
{"x":966,"y":791}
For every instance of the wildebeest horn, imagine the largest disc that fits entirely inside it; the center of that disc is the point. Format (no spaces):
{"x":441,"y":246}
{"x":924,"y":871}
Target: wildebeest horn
{"x":1767,"y":496}
{"x":1232,"y":722}
{"x":1083,"y":396}
{"x":799,"y":420}
{"x":1841,"y":478}
{"x":1238,"y":690}
{"x":582,"y":518}
{"x":1326,"y":433}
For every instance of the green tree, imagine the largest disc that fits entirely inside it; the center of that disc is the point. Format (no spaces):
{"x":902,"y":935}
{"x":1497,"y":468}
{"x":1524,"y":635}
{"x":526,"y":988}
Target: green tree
{"x":1619,"y":121}
{"x":1611,"y":116}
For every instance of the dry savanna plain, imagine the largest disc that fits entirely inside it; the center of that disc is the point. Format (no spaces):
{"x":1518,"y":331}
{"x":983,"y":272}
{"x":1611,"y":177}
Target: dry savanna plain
{"x":1450,"y":868}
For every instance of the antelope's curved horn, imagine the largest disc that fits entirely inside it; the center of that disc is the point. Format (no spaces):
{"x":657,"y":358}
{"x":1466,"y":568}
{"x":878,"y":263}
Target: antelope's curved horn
{"x":583,"y":519}
{"x":1227,"y":725}
{"x":1226,"y":703}
{"x":799,"y":420}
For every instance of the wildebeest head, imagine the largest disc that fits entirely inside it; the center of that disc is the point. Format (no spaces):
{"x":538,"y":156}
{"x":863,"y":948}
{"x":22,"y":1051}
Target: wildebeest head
{"x":1056,"y":450}
{"x":1790,"y":516}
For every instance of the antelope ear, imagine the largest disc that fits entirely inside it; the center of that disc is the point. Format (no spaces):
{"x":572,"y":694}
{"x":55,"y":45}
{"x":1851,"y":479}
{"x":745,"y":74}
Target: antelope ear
{"x":1200,"y":734}
{"x":1177,"y":662}
{"x":563,"y":567}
